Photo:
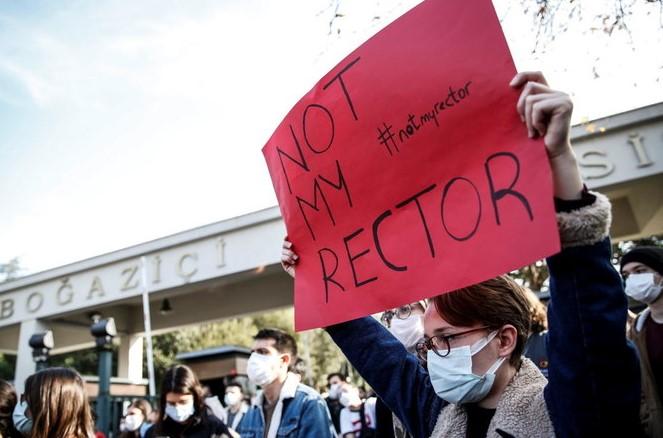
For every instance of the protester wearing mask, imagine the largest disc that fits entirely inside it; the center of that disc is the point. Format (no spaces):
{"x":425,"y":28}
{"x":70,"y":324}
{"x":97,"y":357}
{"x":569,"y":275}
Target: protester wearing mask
{"x":642,"y":270}
{"x":236,"y":408}
{"x":22,"y":423}
{"x":182,"y":408}
{"x":406,"y":324}
{"x":335,"y":382}
{"x":54,"y":404}
{"x":135,"y":420}
{"x":8,"y":401}
{"x":285,"y":407}
{"x":357,"y":416}
{"x":477,"y":384}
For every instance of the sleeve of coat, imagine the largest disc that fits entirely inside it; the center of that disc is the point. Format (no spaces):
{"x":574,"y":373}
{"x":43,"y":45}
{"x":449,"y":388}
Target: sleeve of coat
{"x":594,"y":379}
{"x":393,"y":373}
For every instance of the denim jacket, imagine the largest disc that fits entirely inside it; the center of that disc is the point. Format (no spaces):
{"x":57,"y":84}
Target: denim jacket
{"x":593,"y":386}
{"x":304,"y":414}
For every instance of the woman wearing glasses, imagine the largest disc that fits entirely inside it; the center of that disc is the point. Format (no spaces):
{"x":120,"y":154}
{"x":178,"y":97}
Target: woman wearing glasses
{"x":406,"y":323}
{"x":476,"y":382}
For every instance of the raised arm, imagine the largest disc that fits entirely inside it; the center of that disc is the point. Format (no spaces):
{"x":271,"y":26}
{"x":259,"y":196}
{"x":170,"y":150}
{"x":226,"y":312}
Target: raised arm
{"x":594,"y":382}
{"x":393,"y":373}
{"x":594,"y":378}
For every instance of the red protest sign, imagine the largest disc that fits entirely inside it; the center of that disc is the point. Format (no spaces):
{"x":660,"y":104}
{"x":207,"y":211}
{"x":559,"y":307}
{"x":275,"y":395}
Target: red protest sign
{"x":406,"y":171}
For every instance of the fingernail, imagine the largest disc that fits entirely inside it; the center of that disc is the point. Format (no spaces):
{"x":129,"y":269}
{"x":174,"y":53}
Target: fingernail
{"x":522,"y":119}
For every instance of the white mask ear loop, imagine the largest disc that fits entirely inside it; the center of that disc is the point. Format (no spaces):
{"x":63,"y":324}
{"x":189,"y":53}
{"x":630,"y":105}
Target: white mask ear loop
{"x":480,"y":346}
{"x":496,"y":365}
{"x":481,"y":343}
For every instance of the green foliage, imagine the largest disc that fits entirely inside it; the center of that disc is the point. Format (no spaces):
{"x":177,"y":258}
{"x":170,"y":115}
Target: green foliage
{"x":85,"y":362}
{"x":10,"y":270}
{"x":325,"y":356}
{"x":535,"y":275}
{"x":7,"y":366}
{"x":315,"y":347}
{"x":621,"y":248}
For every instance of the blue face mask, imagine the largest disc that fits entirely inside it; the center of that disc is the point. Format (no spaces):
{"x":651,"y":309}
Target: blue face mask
{"x":22,"y":423}
{"x":452,"y":376}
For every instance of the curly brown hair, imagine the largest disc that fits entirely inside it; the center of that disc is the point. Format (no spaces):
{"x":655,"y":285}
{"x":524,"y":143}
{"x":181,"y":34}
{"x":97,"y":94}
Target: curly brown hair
{"x":538,"y":313}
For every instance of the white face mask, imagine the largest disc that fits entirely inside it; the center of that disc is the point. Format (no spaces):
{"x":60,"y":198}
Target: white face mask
{"x":180,"y":413}
{"x":335,"y":391}
{"x":232,"y":399}
{"x":262,"y":369}
{"x":408,"y":331}
{"x":452,"y":376}
{"x":350,"y":398}
{"x":21,"y":422}
{"x":643,"y":288}
{"x":132,"y":422}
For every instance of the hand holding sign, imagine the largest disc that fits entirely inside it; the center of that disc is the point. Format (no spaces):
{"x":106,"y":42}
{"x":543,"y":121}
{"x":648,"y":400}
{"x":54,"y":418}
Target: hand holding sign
{"x":547,"y":114}
{"x":288,"y":257}
{"x":405,"y":172}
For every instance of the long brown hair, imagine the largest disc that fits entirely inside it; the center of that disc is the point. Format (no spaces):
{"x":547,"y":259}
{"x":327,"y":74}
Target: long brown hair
{"x":143,"y":406}
{"x":8,"y":401}
{"x":59,"y":405}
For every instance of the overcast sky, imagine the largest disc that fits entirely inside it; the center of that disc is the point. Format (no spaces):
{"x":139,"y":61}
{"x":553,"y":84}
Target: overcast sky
{"x":125,"y":121}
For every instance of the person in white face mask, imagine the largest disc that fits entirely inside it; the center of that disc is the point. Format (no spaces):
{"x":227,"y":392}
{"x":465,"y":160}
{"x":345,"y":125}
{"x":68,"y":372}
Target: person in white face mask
{"x":135,"y":420}
{"x":406,"y":324}
{"x":335,"y":382}
{"x":476,"y":382}
{"x":642,"y":270}
{"x":357,"y":416}
{"x":182,"y":408}
{"x":285,"y":407}
{"x":236,"y":407}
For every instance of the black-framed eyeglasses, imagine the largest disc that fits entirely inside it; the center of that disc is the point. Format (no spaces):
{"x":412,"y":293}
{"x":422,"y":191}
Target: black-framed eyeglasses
{"x":441,"y":344}
{"x":402,"y":312}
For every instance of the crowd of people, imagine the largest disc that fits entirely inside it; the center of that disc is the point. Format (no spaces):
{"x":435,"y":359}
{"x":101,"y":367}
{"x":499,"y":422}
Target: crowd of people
{"x":487,"y":360}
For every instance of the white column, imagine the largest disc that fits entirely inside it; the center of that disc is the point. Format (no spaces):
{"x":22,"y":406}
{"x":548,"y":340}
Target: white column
{"x":25,"y":366}
{"x":130,"y":360}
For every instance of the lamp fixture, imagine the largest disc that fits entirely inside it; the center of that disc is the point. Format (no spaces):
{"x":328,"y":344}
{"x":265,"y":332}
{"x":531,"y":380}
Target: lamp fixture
{"x":165,"y":309}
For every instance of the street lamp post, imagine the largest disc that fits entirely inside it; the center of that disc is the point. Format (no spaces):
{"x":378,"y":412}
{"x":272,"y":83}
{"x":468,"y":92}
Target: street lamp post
{"x":41,"y":344}
{"x":103,"y":331}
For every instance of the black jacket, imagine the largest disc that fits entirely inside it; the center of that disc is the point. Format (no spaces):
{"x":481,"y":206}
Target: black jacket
{"x":204,"y":426}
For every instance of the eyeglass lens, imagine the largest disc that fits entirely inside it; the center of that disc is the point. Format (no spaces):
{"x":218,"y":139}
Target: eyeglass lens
{"x":404,"y":312}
